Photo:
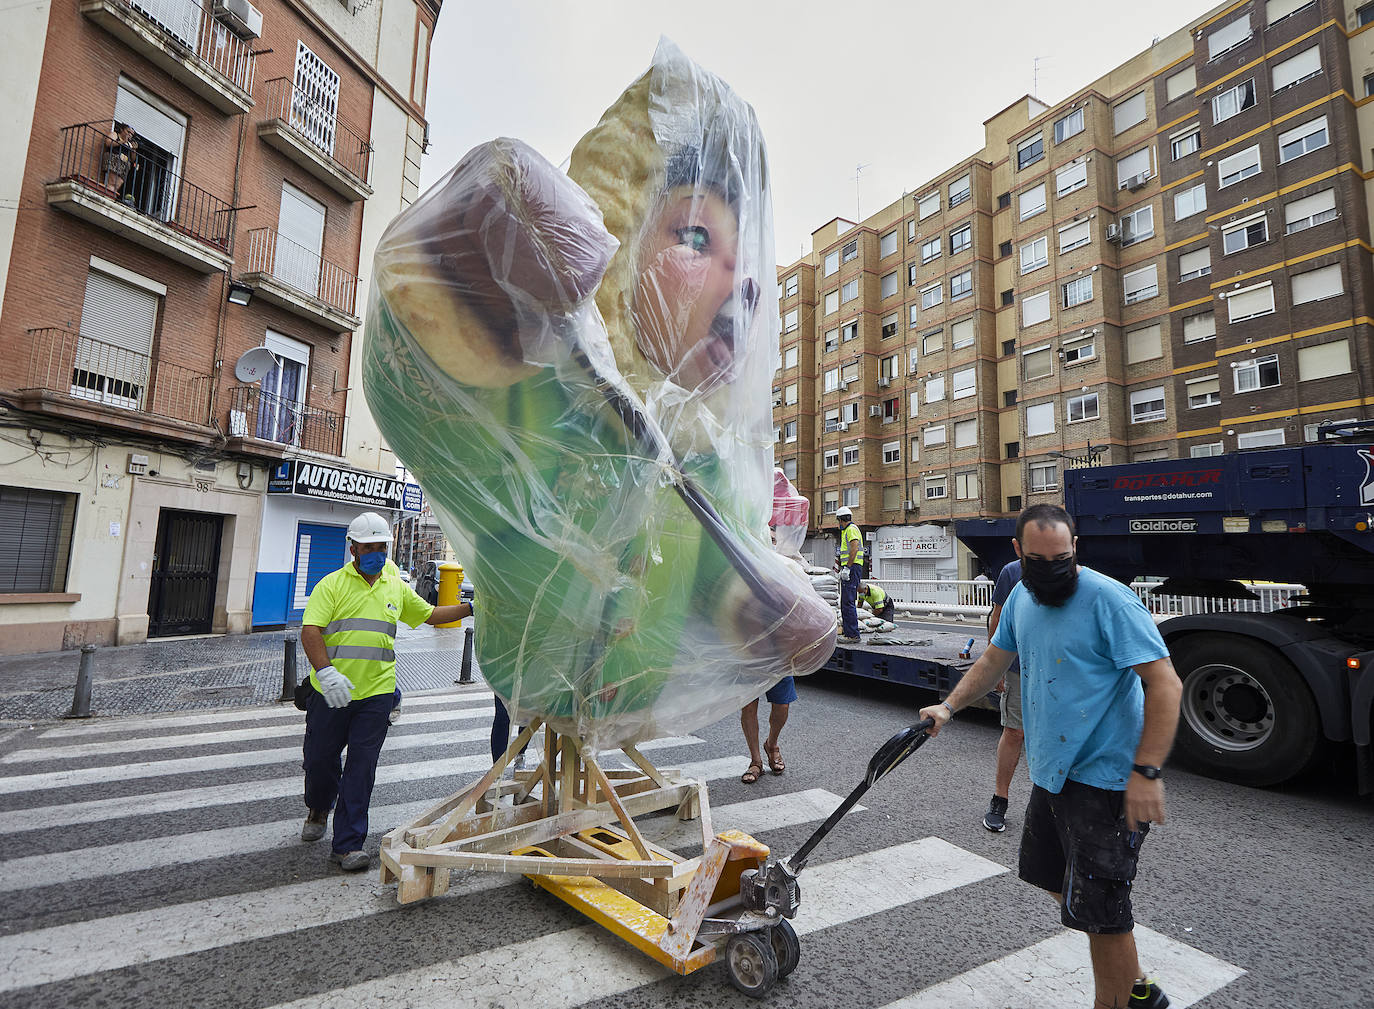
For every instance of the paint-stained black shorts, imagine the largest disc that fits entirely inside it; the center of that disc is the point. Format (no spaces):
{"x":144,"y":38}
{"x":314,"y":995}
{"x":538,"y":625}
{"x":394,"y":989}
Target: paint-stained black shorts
{"x":1076,"y":844}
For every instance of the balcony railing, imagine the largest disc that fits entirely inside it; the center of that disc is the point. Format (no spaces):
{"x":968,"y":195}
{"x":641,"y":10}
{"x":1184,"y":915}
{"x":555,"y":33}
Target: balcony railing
{"x":99,"y":372}
{"x":264,"y":416}
{"x":302,"y":269}
{"x":153,"y":186}
{"x":319,"y":124}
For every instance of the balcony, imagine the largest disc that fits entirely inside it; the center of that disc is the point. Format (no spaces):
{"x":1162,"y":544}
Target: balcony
{"x":270,"y":425}
{"x":308,"y":131}
{"x":153,"y":206}
{"x":295,"y":278}
{"x":84,"y":379}
{"x":183,"y":39}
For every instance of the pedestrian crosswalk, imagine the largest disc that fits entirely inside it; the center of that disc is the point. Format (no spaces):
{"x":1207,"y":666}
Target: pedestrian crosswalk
{"x":142,"y":852}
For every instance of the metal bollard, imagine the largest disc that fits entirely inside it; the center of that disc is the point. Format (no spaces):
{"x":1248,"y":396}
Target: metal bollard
{"x":288,"y":670}
{"x":465,"y":670}
{"x":81,"y":699}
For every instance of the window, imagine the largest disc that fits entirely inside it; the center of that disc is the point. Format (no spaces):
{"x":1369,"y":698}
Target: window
{"x":111,"y":360}
{"x":1202,"y":326}
{"x":1194,"y":264}
{"x":1008,"y":348}
{"x":1205,"y":391}
{"x":1126,"y":114}
{"x":1144,"y":344}
{"x":300,"y":229}
{"x":930,"y":249}
{"x":889,"y":325}
{"x":936,"y":487}
{"x":911,"y":275}
{"x":1238,"y":166}
{"x":1075,"y":235}
{"x":892,"y":498}
{"x":966,"y":485}
{"x":1028,"y":152}
{"x":1140,"y":285}
{"x":1009,"y":397}
{"x":935,"y":389}
{"x":1137,"y":225}
{"x":961,"y":285}
{"x":1040,"y":419}
{"x":963,"y":384}
{"x":830,"y":502}
{"x":849,"y":291}
{"x":1035,"y":254}
{"x":1364,"y":14}
{"x":961,"y":334}
{"x":1150,"y":455}
{"x":1304,"y":139}
{"x":789,"y":431}
{"x":1185,"y":142}
{"x":1296,"y":69}
{"x":1309,"y":211}
{"x":851,"y":497}
{"x":315,"y":99}
{"x":1205,"y":450}
{"x":1260,"y":439}
{"x":1008,"y":297}
{"x":1071,"y":177}
{"x":1078,"y":291}
{"x":932,"y":342}
{"x":1035,"y":309}
{"x":849,"y":331}
{"x":1249,"y":302}
{"x":887,"y":245}
{"x":1043,"y":476}
{"x":851,"y":455}
{"x":966,"y":433}
{"x":791,"y":286}
{"x":912,"y":404}
{"x":927,"y":205}
{"x":849,"y":413}
{"x":1079,"y":351}
{"x":1316,"y":285}
{"x":831,"y":459}
{"x":1227,"y":37}
{"x":960,"y":239}
{"x":888,"y":285}
{"x":832,"y":339}
{"x":35,"y":539}
{"x":1032,"y":201}
{"x":934,"y":435}
{"x":892,"y":452}
{"x":832,"y":302}
{"x":789,"y":469}
{"x":1277,"y":10}
{"x":789,"y":321}
{"x":789,"y":357}
{"x":832,"y":420}
{"x":1003,"y":201}
{"x":832,"y":263}
{"x":1182,"y":83}
{"x":1243,"y":234}
{"x":890,"y":366}
{"x":910,"y":232}
{"x":850,"y":250}
{"x":959,"y":191}
{"x":1324,"y":360}
{"x":1258,"y":373}
{"x":1190,"y":201}
{"x":913,"y":316}
{"x":931,"y":296}
{"x":849,"y":373}
{"x":1134,"y":167}
{"x":832,"y":380}
{"x":1012,"y":450}
{"x":1082,"y":408}
{"x":1233,"y":101}
{"x":789,"y":394}
{"x":891,"y":409}
{"x":1071,"y":125}
{"x":1004,"y":250}
{"x":1147,"y":405}
{"x":1368,"y":85}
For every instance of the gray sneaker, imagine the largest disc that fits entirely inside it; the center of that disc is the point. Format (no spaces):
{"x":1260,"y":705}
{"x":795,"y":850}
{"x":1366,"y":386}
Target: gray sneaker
{"x":354,"y":861}
{"x":995,"y":819}
{"x":313,"y":828}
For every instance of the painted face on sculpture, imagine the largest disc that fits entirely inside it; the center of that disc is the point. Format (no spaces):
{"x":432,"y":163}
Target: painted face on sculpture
{"x":692,"y":310}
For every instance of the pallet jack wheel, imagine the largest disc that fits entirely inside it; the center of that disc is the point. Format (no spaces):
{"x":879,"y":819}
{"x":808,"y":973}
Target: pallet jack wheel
{"x":786,"y":947}
{"x":751,"y":963}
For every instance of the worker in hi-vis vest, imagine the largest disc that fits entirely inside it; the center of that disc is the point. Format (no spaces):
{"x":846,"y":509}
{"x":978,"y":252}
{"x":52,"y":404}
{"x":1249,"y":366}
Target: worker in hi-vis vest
{"x":878,"y":601}
{"x":851,"y":570}
{"x":349,"y":635}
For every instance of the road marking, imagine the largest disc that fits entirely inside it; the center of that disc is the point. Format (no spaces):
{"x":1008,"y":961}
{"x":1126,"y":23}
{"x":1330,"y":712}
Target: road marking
{"x":1057,"y":972}
{"x":836,"y":892}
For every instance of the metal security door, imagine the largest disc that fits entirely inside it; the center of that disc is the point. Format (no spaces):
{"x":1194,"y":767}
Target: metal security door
{"x":185,"y":572}
{"x":319,"y":550}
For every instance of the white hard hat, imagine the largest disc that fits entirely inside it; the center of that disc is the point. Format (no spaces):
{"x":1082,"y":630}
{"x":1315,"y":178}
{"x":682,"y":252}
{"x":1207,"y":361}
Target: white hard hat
{"x":369,"y":527}
{"x":843,"y":512}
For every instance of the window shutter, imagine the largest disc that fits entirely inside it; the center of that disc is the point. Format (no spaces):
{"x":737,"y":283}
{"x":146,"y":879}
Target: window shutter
{"x":1228,"y":36}
{"x":1129,"y":112}
{"x":1295,"y":68}
{"x":35,"y":538}
{"x":1180,"y":84}
{"x":1035,"y":309}
{"x":1074,"y":235}
{"x":1204,"y":386}
{"x":1144,"y":344}
{"x":1324,"y":360}
{"x":1276,"y":9}
{"x":1310,"y":206}
{"x":1141,"y":280}
{"x":1135,"y":163}
{"x":119,"y":313}
{"x":1250,"y":302}
{"x":961,"y":331}
{"x":1191,"y":262}
{"x":1199,"y":327}
{"x":1317,"y":284}
{"x":1040,"y":419}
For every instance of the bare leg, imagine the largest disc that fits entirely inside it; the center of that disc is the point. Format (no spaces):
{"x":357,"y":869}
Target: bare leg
{"x":1008,"y":753}
{"x":777,"y":718}
{"x":749,"y":722}
{"x":1115,"y":968}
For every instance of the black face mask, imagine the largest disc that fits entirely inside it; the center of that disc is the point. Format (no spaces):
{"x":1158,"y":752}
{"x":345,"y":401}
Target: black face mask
{"x":1051,"y":582}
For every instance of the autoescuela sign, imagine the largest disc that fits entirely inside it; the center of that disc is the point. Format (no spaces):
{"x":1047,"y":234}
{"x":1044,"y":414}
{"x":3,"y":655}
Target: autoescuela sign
{"x":335,"y":483}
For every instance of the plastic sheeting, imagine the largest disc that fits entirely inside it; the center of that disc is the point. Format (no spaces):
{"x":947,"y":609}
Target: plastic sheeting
{"x":577,"y":369}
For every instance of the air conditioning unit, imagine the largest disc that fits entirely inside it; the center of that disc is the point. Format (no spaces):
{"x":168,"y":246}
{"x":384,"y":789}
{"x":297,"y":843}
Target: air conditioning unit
{"x":844,"y":386}
{"x":884,"y":381}
{"x":842,"y":426}
{"x":912,"y":506}
{"x":240,"y":17}
{"x":875,"y":411}
{"x":1137,"y":181}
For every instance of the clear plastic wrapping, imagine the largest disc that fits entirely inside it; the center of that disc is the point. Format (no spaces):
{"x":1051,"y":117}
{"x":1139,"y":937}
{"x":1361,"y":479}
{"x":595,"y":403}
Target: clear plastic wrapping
{"x":576,"y":367}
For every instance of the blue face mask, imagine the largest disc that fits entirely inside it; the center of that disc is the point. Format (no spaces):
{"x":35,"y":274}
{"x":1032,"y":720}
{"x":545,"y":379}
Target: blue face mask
{"x":372,"y":564}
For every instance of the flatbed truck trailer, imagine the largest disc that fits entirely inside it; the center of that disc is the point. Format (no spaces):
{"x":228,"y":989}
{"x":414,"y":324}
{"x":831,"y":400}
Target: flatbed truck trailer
{"x":934,"y":666}
{"x":1262,"y":692}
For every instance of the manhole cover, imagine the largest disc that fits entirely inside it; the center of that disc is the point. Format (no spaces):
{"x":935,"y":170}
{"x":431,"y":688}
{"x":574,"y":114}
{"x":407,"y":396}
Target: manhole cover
{"x":230,"y":691}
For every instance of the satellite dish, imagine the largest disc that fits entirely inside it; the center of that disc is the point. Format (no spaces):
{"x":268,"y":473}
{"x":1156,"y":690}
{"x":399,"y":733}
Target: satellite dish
{"x":255,"y":364}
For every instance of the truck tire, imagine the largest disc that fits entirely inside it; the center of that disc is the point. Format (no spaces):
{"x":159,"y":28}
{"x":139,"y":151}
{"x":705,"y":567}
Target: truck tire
{"x":1247,"y":716}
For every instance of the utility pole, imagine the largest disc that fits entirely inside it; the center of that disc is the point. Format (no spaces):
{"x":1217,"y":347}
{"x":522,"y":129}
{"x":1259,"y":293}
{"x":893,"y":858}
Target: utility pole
{"x":858,"y":171}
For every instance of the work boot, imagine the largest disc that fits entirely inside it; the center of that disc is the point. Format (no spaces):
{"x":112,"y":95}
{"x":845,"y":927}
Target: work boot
{"x":846,"y":639}
{"x":1148,"y":995}
{"x":995,"y":819}
{"x":353,"y":861}
{"x":313,"y":828}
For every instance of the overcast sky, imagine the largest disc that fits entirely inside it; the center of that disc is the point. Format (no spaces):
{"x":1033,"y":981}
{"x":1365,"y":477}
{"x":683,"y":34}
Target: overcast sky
{"x":836,"y":84}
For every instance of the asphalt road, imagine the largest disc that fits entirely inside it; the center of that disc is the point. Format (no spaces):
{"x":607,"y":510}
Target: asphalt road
{"x":155,"y":862}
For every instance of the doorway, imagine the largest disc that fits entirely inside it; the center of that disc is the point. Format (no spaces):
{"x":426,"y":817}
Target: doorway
{"x":185,"y":573}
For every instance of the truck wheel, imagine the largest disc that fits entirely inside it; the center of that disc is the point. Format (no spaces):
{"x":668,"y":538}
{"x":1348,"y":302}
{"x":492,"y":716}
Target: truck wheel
{"x":751,"y":963}
{"x":1247,"y":716}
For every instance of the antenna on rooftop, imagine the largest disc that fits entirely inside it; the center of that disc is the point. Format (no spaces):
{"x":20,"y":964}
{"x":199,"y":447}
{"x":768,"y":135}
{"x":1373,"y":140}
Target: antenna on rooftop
{"x":858,"y":171}
{"x":1035,"y":76}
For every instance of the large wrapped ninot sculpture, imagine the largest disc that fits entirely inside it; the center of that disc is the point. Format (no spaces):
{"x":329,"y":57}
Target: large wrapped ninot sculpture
{"x":576,"y":367}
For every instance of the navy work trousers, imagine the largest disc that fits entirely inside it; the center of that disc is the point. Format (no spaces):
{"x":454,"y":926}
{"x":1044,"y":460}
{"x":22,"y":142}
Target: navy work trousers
{"x":849,"y":601}
{"x":345,"y":784}
{"x":500,"y":730}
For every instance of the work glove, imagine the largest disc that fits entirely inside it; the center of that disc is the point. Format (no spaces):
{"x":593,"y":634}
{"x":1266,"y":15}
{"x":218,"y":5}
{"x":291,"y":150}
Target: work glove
{"x":336,"y":688}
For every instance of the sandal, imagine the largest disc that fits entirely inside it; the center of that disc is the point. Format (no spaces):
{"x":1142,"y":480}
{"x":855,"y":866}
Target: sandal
{"x":775,"y":762}
{"x":752,"y":775}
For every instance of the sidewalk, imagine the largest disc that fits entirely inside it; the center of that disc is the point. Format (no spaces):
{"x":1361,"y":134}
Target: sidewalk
{"x":200,"y":672}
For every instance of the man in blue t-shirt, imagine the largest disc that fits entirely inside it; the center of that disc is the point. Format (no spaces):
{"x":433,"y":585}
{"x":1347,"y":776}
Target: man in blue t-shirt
{"x":1095,"y":739}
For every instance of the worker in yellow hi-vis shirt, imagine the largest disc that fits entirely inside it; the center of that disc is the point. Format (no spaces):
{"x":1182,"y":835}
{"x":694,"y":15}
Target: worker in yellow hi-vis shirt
{"x":349,"y":636}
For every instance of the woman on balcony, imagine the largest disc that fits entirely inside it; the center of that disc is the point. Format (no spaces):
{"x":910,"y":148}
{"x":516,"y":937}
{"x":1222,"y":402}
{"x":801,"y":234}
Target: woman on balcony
{"x":120,"y":158}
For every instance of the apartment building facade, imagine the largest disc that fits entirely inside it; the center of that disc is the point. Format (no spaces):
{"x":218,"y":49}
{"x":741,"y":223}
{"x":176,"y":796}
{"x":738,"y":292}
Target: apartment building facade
{"x":1173,"y":262}
{"x":194,"y":188}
